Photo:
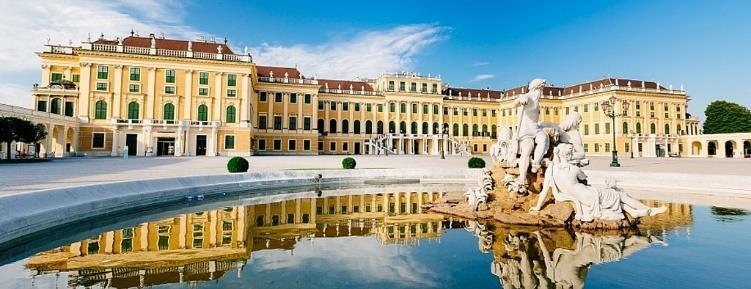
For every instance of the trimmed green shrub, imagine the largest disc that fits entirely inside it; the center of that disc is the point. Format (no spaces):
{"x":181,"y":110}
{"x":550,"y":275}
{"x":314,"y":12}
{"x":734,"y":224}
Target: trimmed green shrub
{"x":476,"y":163}
{"x":349,"y":163}
{"x":237,"y":165}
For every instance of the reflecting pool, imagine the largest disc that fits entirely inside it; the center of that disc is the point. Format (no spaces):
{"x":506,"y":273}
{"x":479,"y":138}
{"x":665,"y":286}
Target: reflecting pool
{"x":378,"y":239}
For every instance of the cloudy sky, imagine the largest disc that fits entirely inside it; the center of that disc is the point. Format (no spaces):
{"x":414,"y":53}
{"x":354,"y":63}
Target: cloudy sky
{"x":498,"y":44}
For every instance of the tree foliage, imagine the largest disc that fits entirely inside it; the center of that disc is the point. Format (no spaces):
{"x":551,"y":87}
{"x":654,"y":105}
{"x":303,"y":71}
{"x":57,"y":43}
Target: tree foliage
{"x":726,"y":117}
{"x":20,"y":130}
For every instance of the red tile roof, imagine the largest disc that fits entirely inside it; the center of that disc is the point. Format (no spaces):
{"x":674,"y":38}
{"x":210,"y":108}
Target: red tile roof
{"x":265,"y":71}
{"x":170,"y":44}
{"x":344,"y":84}
{"x":583,"y":87}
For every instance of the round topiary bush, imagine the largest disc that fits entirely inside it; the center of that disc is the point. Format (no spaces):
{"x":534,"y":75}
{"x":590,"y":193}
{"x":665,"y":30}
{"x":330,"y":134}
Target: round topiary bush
{"x":237,"y":165}
{"x":476,"y":163}
{"x":349,"y":163}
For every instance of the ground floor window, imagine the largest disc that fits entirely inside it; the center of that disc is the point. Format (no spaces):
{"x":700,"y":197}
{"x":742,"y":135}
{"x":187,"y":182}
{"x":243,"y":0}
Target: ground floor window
{"x":97,"y":140}
{"x":42,"y":105}
{"x":261,"y":144}
{"x":345,"y":146}
{"x":306,"y":144}
{"x":292,"y":145}
{"x":332,"y":146}
{"x":277,"y":144}
{"x":626,"y":148}
{"x":320,"y":145}
{"x":229,"y":142}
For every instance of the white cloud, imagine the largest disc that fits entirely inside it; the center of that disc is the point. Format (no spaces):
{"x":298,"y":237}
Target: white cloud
{"x":26,"y":26}
{"x":366,"y":54}
{"x":480,"y":63}
{"x":481,"y":77}
{"x":15,"y":94}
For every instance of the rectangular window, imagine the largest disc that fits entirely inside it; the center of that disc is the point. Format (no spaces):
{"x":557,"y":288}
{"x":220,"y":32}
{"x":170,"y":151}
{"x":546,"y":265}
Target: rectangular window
{"x":474,"y":112}
{"x":56,"y":77}
{"x":402,"y":86}
{"x":484,"y":112}
{"x":345,"y":106}
{"x":320,"y":146}
{"x":368,"y":107}
{"x":262,"y":96}
{"x":292,"y":123}
{"x":277,"y":144}
{"x":320,"y":105}
{"x":414,"y":108}
{"x":231,"y":93}
{"x":627,"y":147}
{"x":332,"y":146}
{"x":586,"y":108}
{"x":203,"y":78}
{"x":42,"y":105}
{"x":306,"y":145}
{"x":586,"y":129}
{"x":597,"y":128}
{"x":76,"y":77}
{"x":135,"y":74}
{"x":97,"y":140}
{"x":357,"y":106}
{"x":607,"y":128}
{"x":169,"y":76}
{"x":345,"y":146}
{"x":308,"y":98}
{"x":262,"y":122}
{"x":292,"y":145}
{"x":101,"y":86}
{"x":413,"y":87}
{"x":203,"y":91}
{"x":424,"y":88}
{"x":425,"y":109}
{"x":391,"y":85}
{"x":134,"y":88}
{"x":293,"y":98}
{"x":277,"y":122}
{"x":306,"y":123}
{"x":435,"y":88}
{"x":607,"y":147}
{"x":278,"y":97}
{"x":232,"y":80}
{"x":229,"y":142}
{"x":169,"y":89}
{"x":261,"y":144}
{"x":379,"y":107}
{"x":586,"y":148}
{"x":332,"y":105}
{"x":102,"y":72}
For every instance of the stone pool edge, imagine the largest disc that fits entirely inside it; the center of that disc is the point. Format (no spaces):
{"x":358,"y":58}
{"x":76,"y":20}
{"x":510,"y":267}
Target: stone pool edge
{"x":24,"y":213}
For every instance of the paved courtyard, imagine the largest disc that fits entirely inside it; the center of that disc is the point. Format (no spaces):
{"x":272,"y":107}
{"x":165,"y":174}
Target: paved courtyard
{"x":18,"y":178}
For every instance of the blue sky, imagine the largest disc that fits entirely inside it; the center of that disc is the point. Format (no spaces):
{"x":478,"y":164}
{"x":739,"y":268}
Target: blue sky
{"x":499,"y":44}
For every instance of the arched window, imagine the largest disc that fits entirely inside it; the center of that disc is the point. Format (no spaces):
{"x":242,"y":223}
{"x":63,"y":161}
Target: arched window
{"x":368,"y":127}
{"x":667,"y":129}
{"x":652,"y":128}
{"x":625,"y":127}
{"x":332,"y":125}
{"x":474,"y":130}
{"x":133,"y":110}
{"x":435,"y":128}
{"x":357,"y":126}
{"x":456,"y":129}
{"x":55,"y":106}
{"x":413,"y":128}
{"x":203,"y":113}
{"x":403,"y":107}
{"x":638,"y":127}
{"x":465,"y":130}
{"x":168,"y":112}
{"x":392,"y":127}
{"x":678,"y":129}
{"x":379,"y":127}
{"x":231,"y":113}
{"x":100,"y":110}
{"x":425,"y":128}
{"x":484,"y":130}
{"x":345,"y":126}
{"x":493,"y":131}
{"x":402,"y":127}
{"x":321,"y":124}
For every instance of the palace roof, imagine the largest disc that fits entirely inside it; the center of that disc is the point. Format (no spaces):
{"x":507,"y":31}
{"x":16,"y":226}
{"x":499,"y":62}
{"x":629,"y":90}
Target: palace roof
{"x":170,"y":44}
{"x":265,"y":71}
{"x":345,"y":85}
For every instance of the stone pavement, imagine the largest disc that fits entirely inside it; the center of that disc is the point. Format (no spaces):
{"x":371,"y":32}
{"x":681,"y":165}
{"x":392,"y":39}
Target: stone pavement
{"x":16,"y":178}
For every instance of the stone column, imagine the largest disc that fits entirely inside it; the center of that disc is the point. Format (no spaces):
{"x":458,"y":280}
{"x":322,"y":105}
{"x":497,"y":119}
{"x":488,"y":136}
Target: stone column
{"x":151,"y":93}
{"x":84,"y":92}
{"x":212,"y":143}
{"x":298,"y":211}
{"x":245,"y":116}
{"x":283,"y":217}
{"x":188,"y":104}
{"x":313,"y":210}
{"x":326,"y":113}
{"x":179,"y":140}
{"x":218,"y":90}
{"x":117,"y":89}
{"x":45,"y":75}
{"x":115,"y":142}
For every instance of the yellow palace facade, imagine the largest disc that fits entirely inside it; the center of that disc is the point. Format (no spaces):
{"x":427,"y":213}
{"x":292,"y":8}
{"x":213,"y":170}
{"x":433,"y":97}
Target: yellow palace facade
{"x":152,"y":96}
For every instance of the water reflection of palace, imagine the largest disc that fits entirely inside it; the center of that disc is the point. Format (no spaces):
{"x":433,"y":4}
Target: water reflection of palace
{"x":206,"y":245}
{"x":559,"y":258}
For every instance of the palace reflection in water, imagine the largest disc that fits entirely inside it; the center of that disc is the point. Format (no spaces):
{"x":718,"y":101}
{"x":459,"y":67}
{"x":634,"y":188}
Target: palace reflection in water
{"x":202,"y":246}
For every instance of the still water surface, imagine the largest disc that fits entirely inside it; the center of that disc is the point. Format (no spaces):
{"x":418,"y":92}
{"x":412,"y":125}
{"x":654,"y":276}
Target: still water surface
{"x":382,"y":240}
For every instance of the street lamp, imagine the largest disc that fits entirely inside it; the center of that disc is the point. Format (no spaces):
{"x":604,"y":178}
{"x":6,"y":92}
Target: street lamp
{"x":444,"y":131}
{"x":608,"y":107}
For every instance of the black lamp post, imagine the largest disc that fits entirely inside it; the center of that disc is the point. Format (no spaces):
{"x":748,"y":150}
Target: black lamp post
{"x":608,"y":107}
{"x":444,"y":132}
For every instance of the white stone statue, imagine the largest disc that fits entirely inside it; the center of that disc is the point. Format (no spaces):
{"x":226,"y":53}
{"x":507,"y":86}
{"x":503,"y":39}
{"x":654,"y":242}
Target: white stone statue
{"x":475,"y":197}
{"x":567,"y":182}
{"x":569,"y":133}
{"x":533,"y":141}
{"x":504,"y":150}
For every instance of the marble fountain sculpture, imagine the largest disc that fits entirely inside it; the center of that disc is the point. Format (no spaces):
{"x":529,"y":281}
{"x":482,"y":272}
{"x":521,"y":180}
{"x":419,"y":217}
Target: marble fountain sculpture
{"x":536,"y":160}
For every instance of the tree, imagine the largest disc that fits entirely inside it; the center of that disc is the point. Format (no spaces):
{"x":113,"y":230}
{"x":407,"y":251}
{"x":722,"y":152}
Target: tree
{"x":726,"y":117}
{"x":16,"y":129}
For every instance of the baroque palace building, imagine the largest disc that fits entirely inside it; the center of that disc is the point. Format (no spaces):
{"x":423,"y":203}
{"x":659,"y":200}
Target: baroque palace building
{"x":152,"y":96}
